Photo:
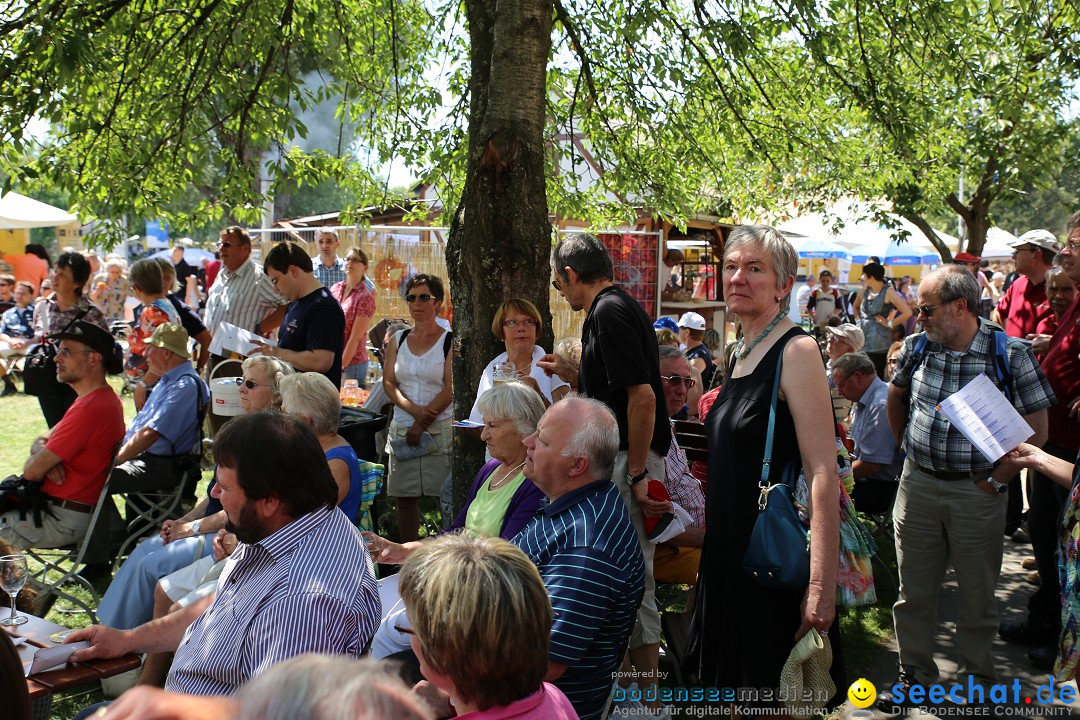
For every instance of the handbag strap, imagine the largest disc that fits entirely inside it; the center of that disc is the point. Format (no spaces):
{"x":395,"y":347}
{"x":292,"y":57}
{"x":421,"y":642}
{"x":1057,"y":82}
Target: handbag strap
{"x":767,"y":460}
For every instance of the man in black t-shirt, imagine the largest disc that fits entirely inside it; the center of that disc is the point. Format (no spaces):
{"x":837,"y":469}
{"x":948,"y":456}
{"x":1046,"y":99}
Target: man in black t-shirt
{"x":312,"y":335}
{"x":620,"y":367}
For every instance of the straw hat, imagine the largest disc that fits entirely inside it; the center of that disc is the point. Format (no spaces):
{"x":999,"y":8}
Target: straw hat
{"x":805,"y":683}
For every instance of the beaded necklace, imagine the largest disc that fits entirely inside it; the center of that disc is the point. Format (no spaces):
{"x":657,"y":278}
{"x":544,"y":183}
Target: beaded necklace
{"x":741,"y":352}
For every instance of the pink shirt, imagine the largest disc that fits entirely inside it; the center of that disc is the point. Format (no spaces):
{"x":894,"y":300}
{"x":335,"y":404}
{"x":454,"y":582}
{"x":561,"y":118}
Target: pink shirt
{"x":547,"y":703}
{"x":359,"y":302}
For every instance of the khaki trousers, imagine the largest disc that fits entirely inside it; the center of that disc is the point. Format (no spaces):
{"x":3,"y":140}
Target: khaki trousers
{"x":939,"y":523}
{"x":647,"y":628}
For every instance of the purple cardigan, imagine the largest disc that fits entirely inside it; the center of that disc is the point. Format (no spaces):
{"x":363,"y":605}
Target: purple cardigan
{"x":523,"y":505}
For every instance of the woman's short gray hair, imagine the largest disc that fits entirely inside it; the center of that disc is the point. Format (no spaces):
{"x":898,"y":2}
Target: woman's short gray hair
{"x":311,"y":394}
{"x":275,"y":369}
{"x":145,"y":274}
{"x":324,"y":687}
{"x":597,"y":438}
{"x":784,"y":257}
{"x":513,"y":401}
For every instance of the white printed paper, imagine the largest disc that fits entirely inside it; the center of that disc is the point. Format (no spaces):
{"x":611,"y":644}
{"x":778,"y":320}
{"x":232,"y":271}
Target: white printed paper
{"x":48,"y":658}
{"x":986,"y":418}
{"x":230,"y":338}
{"x":467,"y":424}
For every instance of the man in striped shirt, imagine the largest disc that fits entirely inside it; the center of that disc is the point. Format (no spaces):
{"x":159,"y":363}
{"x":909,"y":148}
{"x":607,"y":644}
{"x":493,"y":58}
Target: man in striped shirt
{"x":242,"y":294}
{"x":585,"y":547}
{"x":300,"y":581}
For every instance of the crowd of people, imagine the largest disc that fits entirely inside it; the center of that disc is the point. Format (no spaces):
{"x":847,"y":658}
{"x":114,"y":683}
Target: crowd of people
{"x":542,"y":590}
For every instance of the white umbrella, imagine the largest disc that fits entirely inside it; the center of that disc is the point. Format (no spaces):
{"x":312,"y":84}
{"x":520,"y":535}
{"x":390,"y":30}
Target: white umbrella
{"x":193,"y":256}
{"x":18,"y":211}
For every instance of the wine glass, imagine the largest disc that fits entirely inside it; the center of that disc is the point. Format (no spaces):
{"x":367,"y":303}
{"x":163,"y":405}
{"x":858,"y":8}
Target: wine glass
{"x":12,"y":578}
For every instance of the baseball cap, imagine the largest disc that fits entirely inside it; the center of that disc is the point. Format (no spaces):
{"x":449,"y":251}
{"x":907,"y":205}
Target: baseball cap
{"x":171,"y":337}
{"x":1041,"y":238}
{"x":966,"y":257}
{"x":665,"y":323}
{"x":692,"y":321}
{"x":97,"y":339}
{"x":852,"y":333}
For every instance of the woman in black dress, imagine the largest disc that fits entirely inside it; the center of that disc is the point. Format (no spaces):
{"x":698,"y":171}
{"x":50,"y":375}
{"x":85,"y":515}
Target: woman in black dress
{"x":742,"y":631}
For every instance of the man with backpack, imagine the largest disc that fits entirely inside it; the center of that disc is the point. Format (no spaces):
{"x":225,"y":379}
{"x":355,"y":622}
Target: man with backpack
{"x":950,"y":509}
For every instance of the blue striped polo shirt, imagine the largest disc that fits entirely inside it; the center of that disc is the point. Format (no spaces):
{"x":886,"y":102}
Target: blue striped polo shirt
{"x":588,"y":554}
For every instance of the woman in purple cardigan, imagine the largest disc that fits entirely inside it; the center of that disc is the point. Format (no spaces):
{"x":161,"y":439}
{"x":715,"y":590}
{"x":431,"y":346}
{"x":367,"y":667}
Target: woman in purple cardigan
{"x":501,"y":499}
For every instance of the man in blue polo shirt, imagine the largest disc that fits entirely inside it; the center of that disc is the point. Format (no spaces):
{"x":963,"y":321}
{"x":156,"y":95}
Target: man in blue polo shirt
{"x":312,"y":335}
{"x":585,"y":547}
{"x":164,"y":437}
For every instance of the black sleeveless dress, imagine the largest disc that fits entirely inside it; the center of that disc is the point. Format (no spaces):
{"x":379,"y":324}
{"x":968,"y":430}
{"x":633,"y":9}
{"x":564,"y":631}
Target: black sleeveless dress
{"x":743,"y":632}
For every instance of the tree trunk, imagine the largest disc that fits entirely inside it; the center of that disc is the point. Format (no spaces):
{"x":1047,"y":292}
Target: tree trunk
{"x":500,"y":235}
{"x":920,"y":222}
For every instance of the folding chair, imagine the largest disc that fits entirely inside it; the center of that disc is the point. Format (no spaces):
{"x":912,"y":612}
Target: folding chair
{"x":671,"y":599}
{"x":63,"y":564}
{"x":148,"y":509}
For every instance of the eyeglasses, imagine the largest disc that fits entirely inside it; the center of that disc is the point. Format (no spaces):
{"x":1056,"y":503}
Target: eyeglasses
{"x":68,"y":352}
{"x":927,"y":310}
{"x":527,"y":322}
{"x":1071,"y":246}
{"x":422,"y":297}
{"x":676,"y":380}
{"x":404,"y":630}
{"x":355,"y":260}
{"x":891,"y":361}
{"x":223,"y":244}
{"x":556,"y":284}
{"x":1028,"y":248}
{"x":250,"y":384}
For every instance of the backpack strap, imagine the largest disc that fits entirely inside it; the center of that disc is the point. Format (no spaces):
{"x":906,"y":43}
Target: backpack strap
{"x":447,"y":343}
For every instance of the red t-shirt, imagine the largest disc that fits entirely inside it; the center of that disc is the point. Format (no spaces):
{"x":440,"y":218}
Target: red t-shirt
{"x":1023,"y":306}
{"x":85,"y":439}
{"x":1062,"y":368}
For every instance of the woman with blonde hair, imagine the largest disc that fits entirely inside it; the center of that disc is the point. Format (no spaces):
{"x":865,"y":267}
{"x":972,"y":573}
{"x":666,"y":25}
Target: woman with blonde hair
{"x":517,"y":323}
{"x":311,"y":397}
{"x":465,"y":597}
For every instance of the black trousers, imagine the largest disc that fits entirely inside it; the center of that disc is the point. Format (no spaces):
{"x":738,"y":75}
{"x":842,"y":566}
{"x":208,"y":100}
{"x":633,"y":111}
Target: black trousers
{"x":1044,"y":519}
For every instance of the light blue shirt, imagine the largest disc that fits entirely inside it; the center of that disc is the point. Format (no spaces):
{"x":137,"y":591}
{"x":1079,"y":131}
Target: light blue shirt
{"x":328,"y":276}
{"x":870,"y":431}
{"x":172,"y":410}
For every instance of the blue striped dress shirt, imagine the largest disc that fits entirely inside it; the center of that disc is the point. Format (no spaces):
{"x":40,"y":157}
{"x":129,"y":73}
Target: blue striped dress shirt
{"x":588,"y":554}
{"x":309,"y":587}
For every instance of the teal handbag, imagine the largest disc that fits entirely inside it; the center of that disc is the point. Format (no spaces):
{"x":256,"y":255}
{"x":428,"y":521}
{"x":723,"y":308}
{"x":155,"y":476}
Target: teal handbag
{"x":778,"y":555}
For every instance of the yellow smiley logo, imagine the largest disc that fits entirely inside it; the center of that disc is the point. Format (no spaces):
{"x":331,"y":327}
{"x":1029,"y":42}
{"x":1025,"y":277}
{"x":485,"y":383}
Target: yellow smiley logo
{"x":862,"y":693}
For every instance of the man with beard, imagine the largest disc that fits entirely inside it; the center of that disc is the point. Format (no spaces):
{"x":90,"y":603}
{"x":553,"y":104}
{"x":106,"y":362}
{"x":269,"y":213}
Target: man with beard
{"x":300,"y":581}
{"x":950,"y":508}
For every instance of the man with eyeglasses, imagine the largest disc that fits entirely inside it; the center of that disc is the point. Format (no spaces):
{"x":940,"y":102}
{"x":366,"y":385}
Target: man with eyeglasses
{"x":1023,"y":306}
{"x":312,"y":336}
{"x":71,"y":460}
{"x":949,"y":509}
{"x":1042,"y":626}
{"x":619,"y":367}
{"x":242,"y":294}
{"x":678,"y":559}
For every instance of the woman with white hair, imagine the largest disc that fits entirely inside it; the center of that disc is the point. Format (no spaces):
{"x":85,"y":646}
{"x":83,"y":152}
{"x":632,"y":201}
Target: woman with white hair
{"x":501,"y":499}
{"x":733,"y":610}
{"x":110,"y":289}
{"x":311,"y":397}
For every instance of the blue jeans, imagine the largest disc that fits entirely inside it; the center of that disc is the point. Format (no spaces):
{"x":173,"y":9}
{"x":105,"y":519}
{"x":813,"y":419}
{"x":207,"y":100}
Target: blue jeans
{"x":356,"y":372}
{"x":129,"y":601}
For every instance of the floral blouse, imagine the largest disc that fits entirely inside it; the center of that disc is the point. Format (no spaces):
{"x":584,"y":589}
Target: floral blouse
{"x":359,"y":302}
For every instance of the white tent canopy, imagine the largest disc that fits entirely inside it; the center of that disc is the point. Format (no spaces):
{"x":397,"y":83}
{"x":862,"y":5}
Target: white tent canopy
{"x":18,"y":211}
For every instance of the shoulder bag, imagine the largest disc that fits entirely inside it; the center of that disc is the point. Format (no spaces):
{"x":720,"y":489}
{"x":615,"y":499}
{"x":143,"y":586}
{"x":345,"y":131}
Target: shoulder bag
{"x":778,"y":555}
{"x":39,"y":368}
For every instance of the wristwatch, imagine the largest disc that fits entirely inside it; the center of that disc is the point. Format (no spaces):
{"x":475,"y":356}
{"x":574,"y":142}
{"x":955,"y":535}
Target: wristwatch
{"x":196,"y":527}
{"x":998,"y":487}
{"x":635,"y":479}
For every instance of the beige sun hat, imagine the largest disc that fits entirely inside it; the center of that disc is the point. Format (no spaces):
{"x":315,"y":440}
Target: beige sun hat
{"x":805,"y":683}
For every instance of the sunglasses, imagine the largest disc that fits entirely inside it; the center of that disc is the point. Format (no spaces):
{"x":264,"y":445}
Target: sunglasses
{"x":557,"y":285}
{"x":250,"y":384}
{"x":676,"y":380}
{"x":927,"y":310}
{"x":422,"y":297}
{"x":404,"y":630}
{"x":225,"y":244}
{"x":527,"y":322}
